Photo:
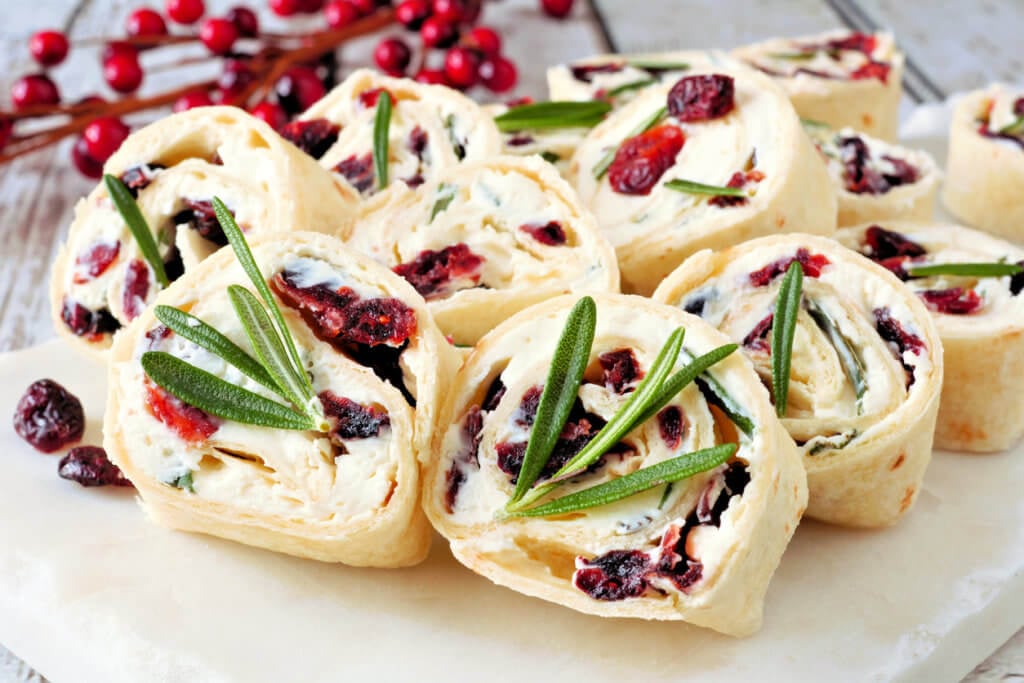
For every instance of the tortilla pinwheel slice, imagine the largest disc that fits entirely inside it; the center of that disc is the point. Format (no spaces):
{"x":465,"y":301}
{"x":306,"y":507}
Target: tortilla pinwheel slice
{"x":554,"y":145}
{"x":865,"y":370}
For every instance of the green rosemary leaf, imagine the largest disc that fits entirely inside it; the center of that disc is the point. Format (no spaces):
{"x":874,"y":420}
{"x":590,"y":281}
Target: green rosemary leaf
{"x":446,"y":193}
{"x":665,"y":472}
{"x":1015,"y":127}
{"x":694,"y":369}
{"x":853,"y":365}
{"x":692,"y":187}
{"x":664,"y":496}
{"x":632,"y":85}
{"x":549,"y":115}
{"x":268,"y":346}
{"x":560,"y":389}
{"x":814,"y":124}
{"x":248,"y":263}
{"x":132,"y":217}
{"x":201,"y":334}
{"x":213,"y":395}
{"x":787,"y":307}
{"x":654,"y":65}
{"x":794,"y":56}
{"x":965,"y":269}
{"x":550,"y":157}
{"x":603,"y":165}
{"x":715,"y":394}
{"x":381,"y":128}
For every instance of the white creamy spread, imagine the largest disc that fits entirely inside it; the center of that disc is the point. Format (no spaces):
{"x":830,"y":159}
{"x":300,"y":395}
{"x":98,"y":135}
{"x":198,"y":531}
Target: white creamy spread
{"x":795,"y":57}
{"x":1003,"y":98}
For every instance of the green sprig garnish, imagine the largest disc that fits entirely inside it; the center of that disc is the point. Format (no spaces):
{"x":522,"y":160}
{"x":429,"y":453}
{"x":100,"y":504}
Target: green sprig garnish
{"x":632,"y":85}
{"x":787,"y":308}
{"x":552,"y":115}
{"x":653,"y":65}
{"x":965,"y":269}
{"x":1015,"y":127}
{"x":794,"y":56}
{"x":605,"y":163}
{"x":692,"y":187}
{"x":130,"y":214}
{"x":381,"y":128}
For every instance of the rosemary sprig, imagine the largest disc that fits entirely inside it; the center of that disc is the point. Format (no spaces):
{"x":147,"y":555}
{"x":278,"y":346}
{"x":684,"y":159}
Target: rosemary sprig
{"x":794,"y":56}
{"x":787,"y":307}
{"x":654,"y":65}
{"x":965,"y":269}
{"x":381,"y":127}
{"x":129,"y":210}
{"x":605,"y":163}
{"x":632,"y":85}
{"x":692,"y":187}
{"x":551,"y":115}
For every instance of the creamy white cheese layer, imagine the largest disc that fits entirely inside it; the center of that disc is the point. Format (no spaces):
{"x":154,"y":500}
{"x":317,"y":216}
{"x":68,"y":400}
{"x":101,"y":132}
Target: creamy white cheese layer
{"x":1003,"y":98}
{"x":795,"y":57}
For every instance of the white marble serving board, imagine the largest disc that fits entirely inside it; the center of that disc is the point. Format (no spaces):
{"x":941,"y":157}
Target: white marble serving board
{"x":92,"y":592}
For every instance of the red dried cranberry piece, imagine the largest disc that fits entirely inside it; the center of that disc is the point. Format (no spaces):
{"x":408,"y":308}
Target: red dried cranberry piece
{"x":418,"y":142}
{"x":895,"y":265}
{"x":188,"y":422}
{"x":437,"y":274}
{"x":324,"y":308}
{"x":138,"y":178}
{"x":858,"y":176}
{"x":616,"y":575}
{"x":379,"y":321}
{"x":757,"y":338}
{"x":314,"y":137}
{"x":903,"y":173}
{"x":94,"y":262}
{"x":358,"y":170}
{"x":519,"y":140}
{"x":551,"y":233}
{"x":873,"y":69}
{"x":674,"y":563}
{"x":466,"y":458}
{"x":136,"y":288}
{"x":1018,"y":106}
{"x":368,"y":98}
{"x":954,"y":301}
{"x":672,"y":424}
{"x":811,"y":264}
{"x":890,"y":330}
{"x":702,"y":97}
{"x":157,"y":335}
{"x":351,"y":420}
{"x":857,"y":42}
{"x":719,"y":491}
{"x":48,"y":416}
{"x":620,"y":370}
{"x":494,"y":394}
{"x":89,"y":466}
{"x":199,"y":216}
{"x":1017,"y":281}
{"x":738,"y":180}
{"x":641,"y":161}
{"x":885,"y":244}
{"x":86,"y":323}
{"x":585,"y":73}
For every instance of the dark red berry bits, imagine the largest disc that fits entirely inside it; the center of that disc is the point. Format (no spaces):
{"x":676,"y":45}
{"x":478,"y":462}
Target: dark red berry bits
{"x":757,"y":338}
{"x":672,"y":425}
{"x":466,"y":459}
{"x":859,"y":177}
{"x":1017,"y":281}
{"x":551,"y":234}
{"x":880,"y":244}
{"x":719,"y":491}
{"x":585,"y":72}
{"x":136,"y":288}
{"x":899,"y":339}
{"x":48,"y":416}
{"x":138,"y":178}
{"x":873,"y":69}
{"x":95,"y":261}
{"x":953,"y":301}
{"x":87,"y":323}
{"x":351,"y":420}
{"x":674,"y":563}
{"x":856,"y":42}
{"x":190,"y":423}
{"x":641,"y":161}
{"x":89,"y":466}
{"x":358,"y":170}
{"x":437,"y":274}
{"x":739,"y":180}
{"x":198,"y":214}
{"x":701,"y":98}
{"x":314,"y":137}
{"x":620,"y":371}
{"x":811,"y":264}
{"x":368,"y":98}
{"x":616,"y":575}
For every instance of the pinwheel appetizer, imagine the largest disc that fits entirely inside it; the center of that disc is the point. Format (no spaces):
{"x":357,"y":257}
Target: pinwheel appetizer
{"x":623,"y":469}
{"x":841,"y":78}
{"x":550,"y":130}
{"x":487,"y":239}
{"x":711,"y":160}
{"x":971,"y":282}
{"x":170,"y":170}
{"x":852,"y":358}
{"x":875,"y":180}
{"x":374,"y":142}
{"x":985,"y":167}
{"x":617,"y":79}
{"x":280,"y":398}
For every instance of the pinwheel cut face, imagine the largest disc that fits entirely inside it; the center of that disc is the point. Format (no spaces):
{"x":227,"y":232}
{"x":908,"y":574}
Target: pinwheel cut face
{"x":1002,"y":115}
{"x":863,"y":165}
{"x":618,"y":79}
{"x":836,"y":56}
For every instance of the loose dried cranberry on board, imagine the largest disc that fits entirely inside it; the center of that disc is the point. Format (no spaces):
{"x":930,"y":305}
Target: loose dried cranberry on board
{"x":48,"y":416}
{"x":551,"y":233}
{"x":701,"y":98}
{"x":954,"y":301}
{"x":95,"y":261}
{"x":358,"y":170}
{"x":314,"y":137}
{"x":436,"y":274}
{"x":89,"y":466}
{"x":190,"y":423}
{"x":811,"y":264}
{"x":620,"y":370}
{"x":616,"y":575}
{"x":641,"y":160}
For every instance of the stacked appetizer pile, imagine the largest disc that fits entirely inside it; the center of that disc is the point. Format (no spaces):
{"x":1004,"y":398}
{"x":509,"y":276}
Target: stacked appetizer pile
{"x":405,"y":312}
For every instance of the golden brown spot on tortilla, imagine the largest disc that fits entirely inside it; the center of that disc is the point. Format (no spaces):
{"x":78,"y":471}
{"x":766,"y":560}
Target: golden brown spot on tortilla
{"x":966,"y":433}
{"x":780,"y":221}
{"x":899,"y":461}
{"x":867,"y":119}
{"x":908,"y":498}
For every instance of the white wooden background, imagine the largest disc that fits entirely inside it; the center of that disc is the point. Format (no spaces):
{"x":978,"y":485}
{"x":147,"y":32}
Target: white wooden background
{"x":952,"y":45}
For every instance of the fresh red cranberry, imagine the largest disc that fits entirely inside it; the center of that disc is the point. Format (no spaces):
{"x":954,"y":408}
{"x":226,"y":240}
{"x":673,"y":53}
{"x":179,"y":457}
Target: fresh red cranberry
{"x":877,"y":70}
{"x":431,"y":77}
{"x":117,"y":47}
{"x":103,"y":137}
{"x":145,"y":22}
{"x":234,"y":79}
{"x":85,"y":323}
{"x":953,"y":301}
{"x":136,"y":288}
{"x":358,"y":170}
{"x":460,"y":67}
{"x":757,"y":338}
{"x":641,"y":161}
{"x":811,"y":264}
{"x":412,"y":13}
{"x":196,"y":98}
{"x":48,"y":416}
{"x":218,"y":35}
{"x":199,"y":215}
{"x":184,"y":11}
{"x":392,"y":55}
{"x":48,"y":48}
{"x":190,"y":423}
{"x":271,"y":114}
{"x":351,"y":420}
{"x":616,"y":575}
{"x":452,"y":11}
{"x":365,"y":7}
{"x":6,"y":131}
{"x":245,"y":21}
{"x":702,"y":97}
{"x":437,"y":32}
{"x":498,"y":74}
{"x":285,"y":8}
{"x":559,"y":9}
{"x":89,"y":466}
{"x":123,"y":72}
{"x":466,"y":458}
{"x":551,"y":233}
{"x":95,"y":261}
{"x":437,"y":274}
{"x":484,"y":39}
{"x":884,"y":244}
{"x":672,"y":425}
{"x":34,"y":90}
{"x":311,"y":6}
{"x":299,"y":88}
{"x":86,"y":165}
{"x":314,"y":137}
{"x":340,"y":13}
{"x":620,"y":370}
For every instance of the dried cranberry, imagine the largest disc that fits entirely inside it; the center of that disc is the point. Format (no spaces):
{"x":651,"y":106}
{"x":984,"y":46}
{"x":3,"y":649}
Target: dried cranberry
{"x":527,"y":410}
{"x":672,"y":425}
{"x":314,"y":137}
{"x":418,"y":142}
{"x":368,"y":98}
{"x":89,"y":466}
{"x":437,"y":274}
{"x":188,"y":422}
{"x":891,"y":330}
{"x":351,"y":420}
{"x":138,"y":178}
{"x":414,"y":181}
{"x":757,"y":338}
{"x":884,"y":244}
{"x":738,"y":180}
{"x":811,"y":264}
{"x":858,"y":175}
{"x":87,"y":323}
{"x":620,"y":370}
{"x":358,"y":170}
{"x":385,"y":361}
{"x":519,"y":140}
{"x":641,"y":161}
{"x":379,"y":321}
{"x":48,"y":416}
{"x":157,"y":335}
{"x":136,"y":288}
{"x":702,"y":97}
{"x":466,"y":458}
{"x":720,"y":489}
{"x":551,"y":233}
{"x":585,"y":72}
{"x":674,"y":563}
{"x":903,"y":172}
{"x":494,"y":394}
{"x":873,"y":69}
{"x":954,"y":301}
{"x":1017,"y":281}
{"x":200,"y":216}
{"x":895,"y":265}
{"x":94,"y":262}
{"x":616,"y":575}
{"x":856,"y":42}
